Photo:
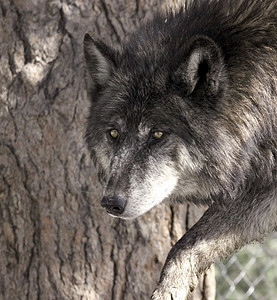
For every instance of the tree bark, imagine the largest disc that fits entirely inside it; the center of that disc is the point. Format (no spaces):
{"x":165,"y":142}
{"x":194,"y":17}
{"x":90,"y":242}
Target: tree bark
{"x":55,"y":240}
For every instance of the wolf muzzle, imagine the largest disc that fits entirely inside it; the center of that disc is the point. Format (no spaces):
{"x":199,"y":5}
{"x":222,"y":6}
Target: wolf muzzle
{"x":114,"y":205}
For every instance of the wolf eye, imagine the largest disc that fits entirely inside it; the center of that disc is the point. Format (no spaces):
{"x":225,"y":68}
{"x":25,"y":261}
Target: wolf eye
{"x":157,"y":134}
{"x":114,"y":133}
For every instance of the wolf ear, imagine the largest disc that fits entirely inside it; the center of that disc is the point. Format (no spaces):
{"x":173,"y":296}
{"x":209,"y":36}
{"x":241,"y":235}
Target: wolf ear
{"x":100,"y":62}
{"x":203,"y":68}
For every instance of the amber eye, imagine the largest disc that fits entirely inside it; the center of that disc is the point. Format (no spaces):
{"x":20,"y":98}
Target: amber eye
{"x":114,"y":133}
{"x":157,"y":134}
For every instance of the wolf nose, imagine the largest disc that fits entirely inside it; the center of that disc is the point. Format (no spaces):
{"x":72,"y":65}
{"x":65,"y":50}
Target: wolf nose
{"x":114,"y":205}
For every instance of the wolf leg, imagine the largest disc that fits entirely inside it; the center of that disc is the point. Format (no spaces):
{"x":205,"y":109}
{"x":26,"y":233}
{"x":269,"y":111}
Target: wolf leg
{"x":222,"y":230}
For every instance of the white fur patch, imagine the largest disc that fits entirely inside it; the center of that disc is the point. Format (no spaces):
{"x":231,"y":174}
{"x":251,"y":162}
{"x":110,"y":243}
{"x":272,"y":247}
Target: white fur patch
{"x":185,"y":160}
{"x":157,"y":184}
{"x":143,"y":130}
{"x":102,"y":158}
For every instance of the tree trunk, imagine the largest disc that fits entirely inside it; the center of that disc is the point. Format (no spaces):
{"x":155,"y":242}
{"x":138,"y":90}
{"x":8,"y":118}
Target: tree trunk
{"x":55,"y":240}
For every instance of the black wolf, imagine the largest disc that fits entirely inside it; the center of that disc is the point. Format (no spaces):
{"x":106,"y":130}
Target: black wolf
{"x":187,"y":110}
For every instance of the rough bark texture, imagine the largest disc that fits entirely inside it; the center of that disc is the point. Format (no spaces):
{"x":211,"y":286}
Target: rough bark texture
{"x":55,"y":240}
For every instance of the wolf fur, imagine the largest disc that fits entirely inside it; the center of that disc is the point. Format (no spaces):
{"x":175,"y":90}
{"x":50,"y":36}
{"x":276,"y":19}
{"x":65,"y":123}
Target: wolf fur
{"x":205,"y":77}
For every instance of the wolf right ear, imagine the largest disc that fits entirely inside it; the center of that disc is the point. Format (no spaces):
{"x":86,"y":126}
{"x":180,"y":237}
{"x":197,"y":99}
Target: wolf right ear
{"x":203,"y":68}
{"x":100,"y":61}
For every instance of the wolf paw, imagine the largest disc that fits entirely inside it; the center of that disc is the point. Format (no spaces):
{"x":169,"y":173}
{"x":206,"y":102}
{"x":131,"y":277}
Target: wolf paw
{"x":177,"y":281}
{"x":170,"y":294}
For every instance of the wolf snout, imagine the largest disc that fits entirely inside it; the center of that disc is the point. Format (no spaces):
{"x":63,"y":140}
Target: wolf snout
{"x":114,"y":205}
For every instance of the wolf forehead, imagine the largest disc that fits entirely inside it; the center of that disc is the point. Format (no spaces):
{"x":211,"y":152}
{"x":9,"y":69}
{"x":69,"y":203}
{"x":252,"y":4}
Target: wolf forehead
{"x":131,"y":98}
{"x":137,"y":112}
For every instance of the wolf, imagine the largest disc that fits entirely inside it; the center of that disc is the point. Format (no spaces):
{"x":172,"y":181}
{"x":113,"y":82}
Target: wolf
{"x":186,"y":110}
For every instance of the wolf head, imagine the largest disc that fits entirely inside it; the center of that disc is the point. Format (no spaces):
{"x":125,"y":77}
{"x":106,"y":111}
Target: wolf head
{"x":151,"y":126}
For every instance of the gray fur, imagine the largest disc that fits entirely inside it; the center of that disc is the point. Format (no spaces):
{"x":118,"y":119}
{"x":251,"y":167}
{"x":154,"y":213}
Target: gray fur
{"x":206,"y":77}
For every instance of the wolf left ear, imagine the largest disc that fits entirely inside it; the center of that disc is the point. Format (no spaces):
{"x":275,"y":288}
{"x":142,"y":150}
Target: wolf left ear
{"x":203,"y":68}
{"x":100,"y":61}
